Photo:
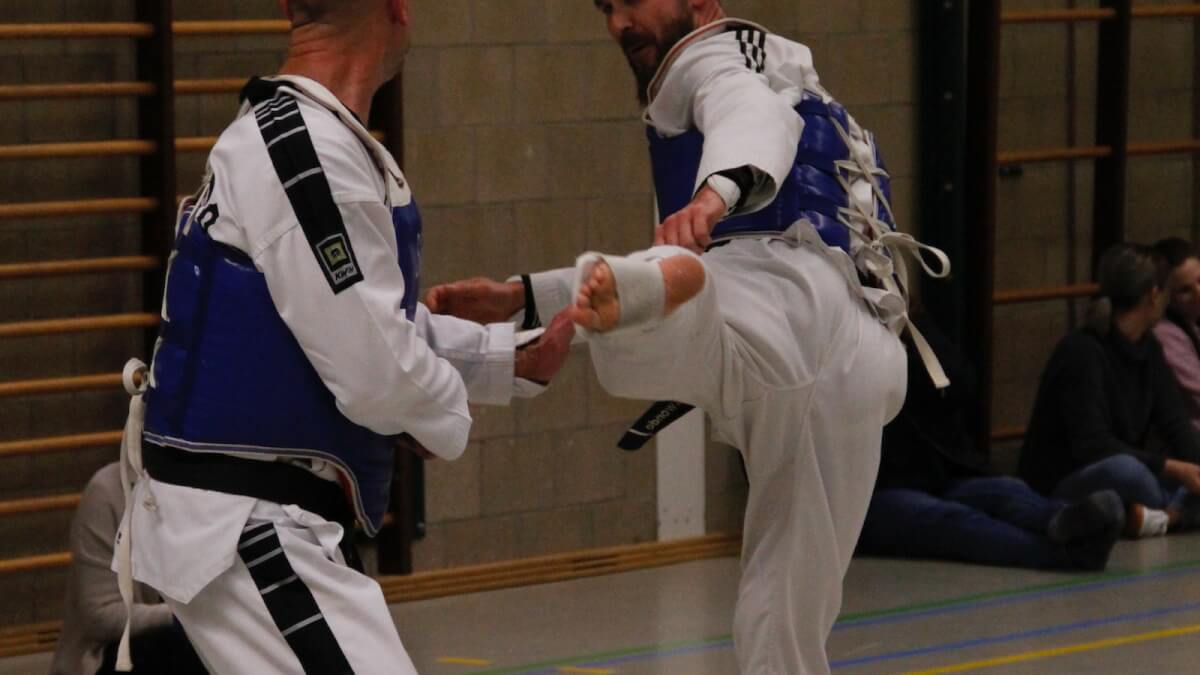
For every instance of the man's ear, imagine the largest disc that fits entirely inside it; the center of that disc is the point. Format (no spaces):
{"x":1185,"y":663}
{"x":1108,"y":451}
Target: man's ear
{"x":398,"y":9}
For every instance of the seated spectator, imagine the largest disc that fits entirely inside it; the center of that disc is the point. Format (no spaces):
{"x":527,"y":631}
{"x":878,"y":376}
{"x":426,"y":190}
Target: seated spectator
{"x":95,"y":614}
{"x":935,"y":499}
{"x":1179,"y":331}
{"x":1108,"y":413}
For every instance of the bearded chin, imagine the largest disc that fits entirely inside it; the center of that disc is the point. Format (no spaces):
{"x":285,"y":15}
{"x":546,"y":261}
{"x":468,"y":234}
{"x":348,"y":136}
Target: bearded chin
{"x":675,"y":31}
{"x":643,"y":76}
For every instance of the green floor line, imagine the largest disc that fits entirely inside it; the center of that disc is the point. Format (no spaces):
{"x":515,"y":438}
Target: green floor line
{"x":852,"y":618}
{"x":602,"y":656}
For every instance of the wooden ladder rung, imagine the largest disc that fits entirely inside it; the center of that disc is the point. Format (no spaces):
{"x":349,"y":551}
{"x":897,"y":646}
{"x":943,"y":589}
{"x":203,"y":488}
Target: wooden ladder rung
{"x":117,"y":29}
{"x":15,"y":507}
{"x":1021,"y":296}
{"x":1090,"y":14}
{"x":77,"y":325}
{"x":78,"y":207}
{"x":1058,"y":15}
{"x":16,"y":92}
{"x":58,"y":268}
{"x":1136,"y":149}
{"x":34,"y":563}
{"x":1008,"y":434}
{"x":42,"y":31}
{"x":36,"y":446}
{"x":59,"y":385}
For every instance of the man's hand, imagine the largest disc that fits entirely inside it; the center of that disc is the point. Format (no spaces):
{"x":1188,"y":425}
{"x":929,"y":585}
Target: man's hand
{"x":1186,"y":473}
{"x":407,"y":443}
{"x":539,"y":360}
{"x":480,"y":299}
{"x":691,"y":227}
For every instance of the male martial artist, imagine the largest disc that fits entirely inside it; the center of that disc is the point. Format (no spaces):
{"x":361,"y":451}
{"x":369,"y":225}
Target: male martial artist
{"x":784,"y":332}
{"x":293,"y":356}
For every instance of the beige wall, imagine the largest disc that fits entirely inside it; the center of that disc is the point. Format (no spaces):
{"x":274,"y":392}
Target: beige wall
{"x":524,"y":148}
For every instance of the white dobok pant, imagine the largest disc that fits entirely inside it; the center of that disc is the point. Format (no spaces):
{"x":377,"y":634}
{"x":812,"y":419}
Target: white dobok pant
{"x":795,"y":370}
{"x":259,"y":587}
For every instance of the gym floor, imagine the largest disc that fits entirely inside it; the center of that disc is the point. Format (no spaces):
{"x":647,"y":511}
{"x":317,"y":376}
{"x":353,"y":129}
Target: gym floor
{"x":1140,"y":616}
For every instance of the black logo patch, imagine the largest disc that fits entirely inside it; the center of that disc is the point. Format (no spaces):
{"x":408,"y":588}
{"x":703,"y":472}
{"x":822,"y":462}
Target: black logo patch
{"x":338,"y":262}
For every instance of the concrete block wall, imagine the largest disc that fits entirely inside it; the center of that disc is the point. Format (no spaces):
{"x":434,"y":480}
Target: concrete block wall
{"x":523,"y":152}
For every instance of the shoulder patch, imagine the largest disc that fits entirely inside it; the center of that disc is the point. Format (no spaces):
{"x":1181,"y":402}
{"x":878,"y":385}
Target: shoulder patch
{"x":338,"y":260}
{"x":299,"y":171}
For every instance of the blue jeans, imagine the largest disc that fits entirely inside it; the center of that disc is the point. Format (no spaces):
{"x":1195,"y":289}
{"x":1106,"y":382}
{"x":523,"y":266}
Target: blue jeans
{"x":1128,"y":476}
{"x":990,"y":521}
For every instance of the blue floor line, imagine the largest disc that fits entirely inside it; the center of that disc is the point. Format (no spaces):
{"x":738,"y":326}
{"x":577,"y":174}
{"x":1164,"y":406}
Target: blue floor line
{"x":1012,"y":599}
{"x":1020,"y":635}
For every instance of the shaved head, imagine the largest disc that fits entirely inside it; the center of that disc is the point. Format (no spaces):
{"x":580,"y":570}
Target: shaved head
{"x":352,"y":47}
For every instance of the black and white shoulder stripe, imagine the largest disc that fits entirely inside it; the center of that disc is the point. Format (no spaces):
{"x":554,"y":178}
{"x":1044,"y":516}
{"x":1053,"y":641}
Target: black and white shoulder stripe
{"x":299,"y":171}
{"x":753,"y":43}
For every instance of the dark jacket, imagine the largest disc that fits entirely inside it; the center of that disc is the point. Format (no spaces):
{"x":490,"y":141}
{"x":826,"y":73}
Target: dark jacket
{"x":927,"y":446}
{"x":1101,"y":395}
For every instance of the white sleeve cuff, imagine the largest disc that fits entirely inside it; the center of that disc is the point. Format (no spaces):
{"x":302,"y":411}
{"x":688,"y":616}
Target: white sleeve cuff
{"x":551,"y":293}
{"x":728,"y":190}
{"x":523,"y":388}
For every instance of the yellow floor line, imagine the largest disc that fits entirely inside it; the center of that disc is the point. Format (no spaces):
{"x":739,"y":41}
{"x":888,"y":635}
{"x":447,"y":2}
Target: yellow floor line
{"x":1062,"y":651}
{"x":464,"y":662}
{"x":586,"y":671}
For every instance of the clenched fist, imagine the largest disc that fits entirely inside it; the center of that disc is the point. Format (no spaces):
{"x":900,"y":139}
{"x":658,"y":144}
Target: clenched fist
{"x":691,"y":227}
{"x":539,"y":360}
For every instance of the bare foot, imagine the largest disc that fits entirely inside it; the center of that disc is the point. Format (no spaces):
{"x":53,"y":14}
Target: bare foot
{"x":597,"y":306}
{"x":683,"y":277}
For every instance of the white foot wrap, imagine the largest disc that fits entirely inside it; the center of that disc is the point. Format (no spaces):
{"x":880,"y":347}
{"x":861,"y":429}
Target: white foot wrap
{"x":639,"y":284}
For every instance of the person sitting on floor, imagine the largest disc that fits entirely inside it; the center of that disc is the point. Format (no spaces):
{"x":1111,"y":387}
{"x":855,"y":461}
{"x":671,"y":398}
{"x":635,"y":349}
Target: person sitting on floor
{"x":94,"y":613}
{"x":1179,"y":330}
{"x":934,"y":497}
{"x":1108,"y":413}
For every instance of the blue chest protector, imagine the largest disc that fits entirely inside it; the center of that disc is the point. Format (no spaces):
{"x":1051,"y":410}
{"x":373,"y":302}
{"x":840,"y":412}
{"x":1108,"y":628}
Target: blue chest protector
{"x":811,"y":190}
{"x":229,"y":376}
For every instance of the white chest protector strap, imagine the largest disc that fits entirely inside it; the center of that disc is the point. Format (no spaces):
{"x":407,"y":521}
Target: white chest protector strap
{"x":883,"y":251}
{"x":885,"y":259}
{"x":135,"y":380}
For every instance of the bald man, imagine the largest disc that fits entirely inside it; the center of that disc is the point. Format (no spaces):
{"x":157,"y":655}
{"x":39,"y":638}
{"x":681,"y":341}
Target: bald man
{"x":293,"y":358}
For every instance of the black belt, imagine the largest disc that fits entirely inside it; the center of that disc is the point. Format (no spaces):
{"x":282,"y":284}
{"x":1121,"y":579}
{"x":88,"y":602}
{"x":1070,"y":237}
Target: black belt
{"x":277,"y":482}
{"x":658,"y":417}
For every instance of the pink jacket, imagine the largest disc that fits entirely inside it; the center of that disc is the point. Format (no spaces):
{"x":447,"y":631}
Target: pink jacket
{"x":1182,"y":357}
